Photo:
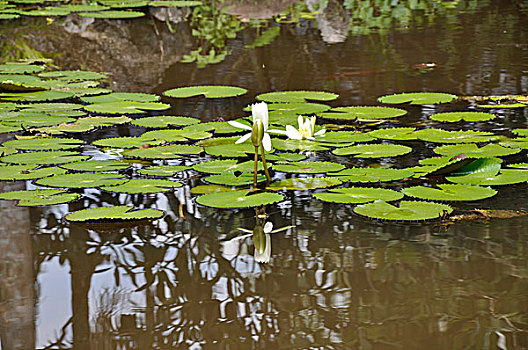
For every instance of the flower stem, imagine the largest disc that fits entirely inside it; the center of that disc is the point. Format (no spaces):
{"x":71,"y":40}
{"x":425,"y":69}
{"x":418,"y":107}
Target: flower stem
{"x":256,"y":168}
{"x":268,"y":178}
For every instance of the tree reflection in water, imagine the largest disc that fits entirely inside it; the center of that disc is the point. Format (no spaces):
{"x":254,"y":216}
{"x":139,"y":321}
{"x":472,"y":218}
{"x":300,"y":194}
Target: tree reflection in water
{"x":184,"y":283}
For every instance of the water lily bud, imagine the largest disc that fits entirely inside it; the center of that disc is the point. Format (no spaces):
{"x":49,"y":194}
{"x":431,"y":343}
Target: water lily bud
{"x":257,"y":133}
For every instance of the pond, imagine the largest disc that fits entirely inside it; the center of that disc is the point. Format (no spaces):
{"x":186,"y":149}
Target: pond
{"x":311,"y":269}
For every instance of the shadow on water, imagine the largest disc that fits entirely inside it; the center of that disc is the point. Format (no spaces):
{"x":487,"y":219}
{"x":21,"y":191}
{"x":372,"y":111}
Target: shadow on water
{"x":334,"y":279}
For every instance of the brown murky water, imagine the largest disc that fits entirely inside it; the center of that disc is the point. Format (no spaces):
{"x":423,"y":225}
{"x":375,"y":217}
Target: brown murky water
{"x":335,"y":280}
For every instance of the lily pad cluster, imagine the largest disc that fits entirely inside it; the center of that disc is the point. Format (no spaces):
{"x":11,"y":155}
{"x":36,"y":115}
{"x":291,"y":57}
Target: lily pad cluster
{"x":111,"y":9}
{"x":353,"y":155}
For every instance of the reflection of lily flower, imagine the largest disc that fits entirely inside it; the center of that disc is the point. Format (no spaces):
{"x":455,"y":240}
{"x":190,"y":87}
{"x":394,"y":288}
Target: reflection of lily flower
{"x":259,"y":132}
{"x":262,"y":242}
{"x":306,"y":129}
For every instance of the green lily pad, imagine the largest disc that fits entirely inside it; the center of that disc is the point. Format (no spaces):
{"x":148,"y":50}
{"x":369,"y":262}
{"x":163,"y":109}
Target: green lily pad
{"x":521,"y":132}
{"x":205,"y":189}
{"x":27,"y":172}
{"x":174,"y":135}
{"x":82,"y":180}
{"x":19,"y":82}
{"x":50,"y":108}
{"x":408,"y":210}
{"x":143,"y":186}
{"x":285,"y":157}
{"x":287,"y":113}
{"x":112,"y":14}
{"x":491,"y":166}
{"x":472,"y":150}
{"x":44,"y":157}
{"x":357,"y":195}
{"x":519,"y":143}
{"x":40,"y":197}
{"x":217,"y":127}
{"x":373,"y":150}
{"x":224,"y":165}
{"x":230,"y":179}
{"x":230,"y":150}
{"x":9,"y":128}
{"x":372,"y":174}
{"x":453,"y":117}
{"x":126,"y":107}
{"x":20,"y":68}
{"x":9,"y":16}
{"x":450,"y":192}
{"x":164,"y":121}
{"x":418,"y":98}
{"x":97,"y":165}
{"x":85,"y":124}
{"x":163,"y":152}
{"x":209,"y":91}
{"x":40,"y":144}
{"x":518,"y":165}
{"x":33,"y":120}
{"x":127,"y":142}
{"x":304,"y":183}
{"x":73,"y":75}
{"x":124,"y":213}
{"x":174,"y":3}
{"x":35,"y":96}
{"x":504,"y":177}
{"x":445,"y":136}
{"x":309,"y":167}
{"x":394,"y":134}
{"x":363,"y":112}
{"x":49,"y":11}
{"x":85,"y":7}
{"x":239,"y":199}
{"x":124,"y":4}
{"x":297,"y":145}
{"x":121,"y":96}
{"x":296,"y":96}
{"x":163,"y":170}
{"x":344,"y":136}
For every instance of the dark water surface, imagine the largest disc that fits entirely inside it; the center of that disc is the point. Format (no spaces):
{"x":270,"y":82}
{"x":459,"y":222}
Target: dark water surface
{"x":335,"y":280}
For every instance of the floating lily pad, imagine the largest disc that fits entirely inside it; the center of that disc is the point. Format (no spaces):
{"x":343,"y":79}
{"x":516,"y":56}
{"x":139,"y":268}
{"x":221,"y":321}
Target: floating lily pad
{"x":418,"y":98}
{"x":394,"y":134}
{"x":408,"y":210}
{"x":217,"y":127}
{"x":450,"y":192}
{"x":40,"y":144}
{"x":297,"y":145}
{"x":205,"y":189}
{"x":163,"y":152}
{"x":82,"y":180}
{"x":97,"y":165}
{"x":35,"y":96}
{"x":224,"y":165}
{"x":472,"y":150}
{"x":519,"y":142}
{"x":285,"y":157}
{"x":230,"y":150}
{"x":44,"y":157}
{"x":143,"y":186}
{"x":373,"y":150}
{"x":124,"y":213}
{"x":445,"y":136}
{"x":453,"y":117}
{"x":85,"y":124}
{"x":20,"y":68}
{"x":164,"y":121}
{"x":73,"y":75}
{"x":174,"y":135}
{"x":85,"y":7}
{"x":124,"y":4}
{"x":33,"y":119}
{"x":491,"y":166}
{"x":309,"y":167}
{"x":304,"y":183}
{"x":504,"y":177}
{"x":296,"y":96}
{"x":373,"y":174}
{"x":9,"y":16}
{"x":46,"y":12}
{"x":127,"y":142}
{"x":357,"y":195}
{"x":520,"y":132}
{"x":121,"y":96}
{"x":238,"y":199}
{"x":126,"y":107}
{"x":174,"y":3}
{"x":51,"y":108}
{"x":27,"y":172}
{"x":518,"y":165}
{"x":231,"y":179}
{"x":363,"y":112}
{"x":344,"y":136}
{"x":9,"y":128}
{"x":19,"y":82}
{"x":40,"y":197}
{"x":163,"y":170}
{"x":209,"y":91}
{"x":112,"y":14}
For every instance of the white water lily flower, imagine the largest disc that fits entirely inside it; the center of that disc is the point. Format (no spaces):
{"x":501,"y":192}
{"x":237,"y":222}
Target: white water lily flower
{"x":260,"y":127}
{"x":306,"y":129}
